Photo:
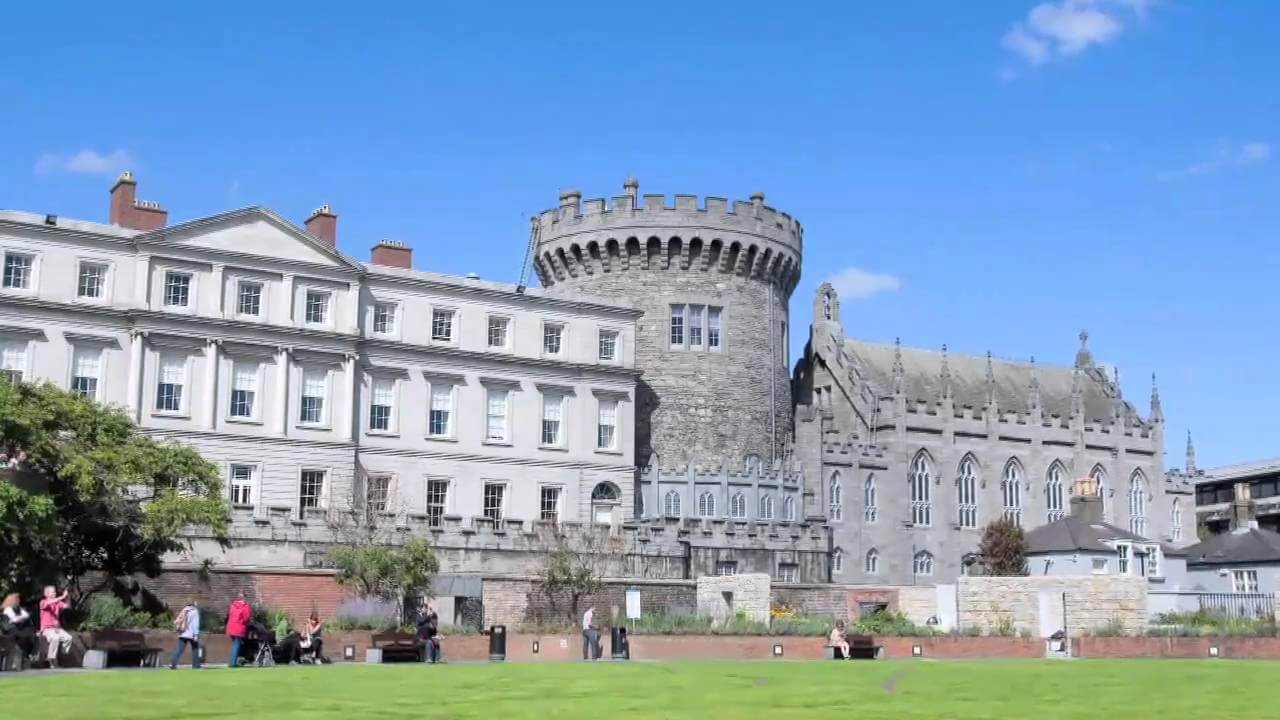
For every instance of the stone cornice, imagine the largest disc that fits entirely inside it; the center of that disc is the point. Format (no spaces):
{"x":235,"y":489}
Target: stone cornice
{"x":488,"y":292}
{"x":404,"y":352}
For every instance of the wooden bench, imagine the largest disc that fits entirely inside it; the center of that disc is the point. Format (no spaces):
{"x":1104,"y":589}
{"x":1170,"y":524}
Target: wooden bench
{"x":861,"y":647}
{"x":396,"y":645}
{"x":128,"y":647}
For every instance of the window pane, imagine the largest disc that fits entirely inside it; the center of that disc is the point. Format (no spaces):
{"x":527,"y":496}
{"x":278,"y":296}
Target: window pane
{"x":381,"y":404}
{"x":315,"y":388}
{"x":317,"y":309}
{"x":608,"y":345}
{"x":177,"y":289}
{"x":384,"y":318}
{"x":497,"y":332}
{"x":713,"y":328}
{"x":437,"y":494}
{"x":677,"y":325}
{"x":17,"y":271}
{"x":493,"y":493}
{"x":311,"y":490}
{"x":607,"y":429}
{"x":172,"y":378}
{"x":85,"y":370}
{"x":550,"y":504}
{"x":496,"y":416}
{"x":551,"y":338}
{"x":249,"y":298}
{"x":92,"y":280}
{"x":442,"y":325}
{"x":440,"y":419}
{"x":695,"y":326}
{"x":377,"y":488}
{"x":241,"y":484}
{"x":552,"y":410}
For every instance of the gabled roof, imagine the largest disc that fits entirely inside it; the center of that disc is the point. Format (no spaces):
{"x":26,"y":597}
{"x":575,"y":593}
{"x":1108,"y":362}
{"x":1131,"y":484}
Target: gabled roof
{"x":1071,"y":534}
{"x":1250,"y":545}
{"x":923,"y":370}
{"x":212,"y":224}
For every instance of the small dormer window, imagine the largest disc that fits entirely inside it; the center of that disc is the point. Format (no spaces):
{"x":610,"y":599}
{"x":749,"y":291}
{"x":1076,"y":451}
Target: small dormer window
{"x":826,"y":305}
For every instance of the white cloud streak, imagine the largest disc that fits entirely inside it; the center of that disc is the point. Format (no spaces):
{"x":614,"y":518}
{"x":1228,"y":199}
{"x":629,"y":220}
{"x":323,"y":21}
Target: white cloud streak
{"x":858,"y":284}
{"x":1224,"y":156}
{"x":1067,"y":28}
{"x":84,"y":162}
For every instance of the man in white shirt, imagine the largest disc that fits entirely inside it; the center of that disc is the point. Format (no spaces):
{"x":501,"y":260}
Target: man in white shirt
{"x":590,"y":636}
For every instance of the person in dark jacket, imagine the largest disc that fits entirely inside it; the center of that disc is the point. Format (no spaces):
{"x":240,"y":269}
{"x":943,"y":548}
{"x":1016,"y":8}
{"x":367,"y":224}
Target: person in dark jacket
{"x":428,"y":625}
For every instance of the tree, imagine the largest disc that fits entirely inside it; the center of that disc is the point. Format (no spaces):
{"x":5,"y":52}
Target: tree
{"x":576,"y":565}
{"x":1003,"y":548}
{"x":113,"y":499}
{"x":385,"y":571}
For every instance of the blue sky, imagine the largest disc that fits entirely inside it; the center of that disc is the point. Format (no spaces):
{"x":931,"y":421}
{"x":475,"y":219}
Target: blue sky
{"x":990,"y":175}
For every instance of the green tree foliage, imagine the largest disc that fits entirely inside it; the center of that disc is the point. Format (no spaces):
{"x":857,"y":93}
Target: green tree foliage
{"x":385,"y":571}
{"x":1003,"y":548}
{"x":119,"y":498}
{"x":576,"y":566}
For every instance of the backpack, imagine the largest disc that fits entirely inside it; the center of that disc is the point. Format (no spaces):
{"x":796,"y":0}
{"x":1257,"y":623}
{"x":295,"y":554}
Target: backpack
{"x":180,"y":622}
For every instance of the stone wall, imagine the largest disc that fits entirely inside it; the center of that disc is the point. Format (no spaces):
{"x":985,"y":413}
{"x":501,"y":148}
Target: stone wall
{"x":519,"y":602}
{"x":1092,"y":601}
{"x":721,"y":598}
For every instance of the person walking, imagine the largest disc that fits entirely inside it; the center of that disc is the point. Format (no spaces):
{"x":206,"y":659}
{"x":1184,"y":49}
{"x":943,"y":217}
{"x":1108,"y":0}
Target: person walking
{"x":238,"y":615}
{"x":51,"y":607}
{"x":188,"y":626}
{"x":590,"y":635}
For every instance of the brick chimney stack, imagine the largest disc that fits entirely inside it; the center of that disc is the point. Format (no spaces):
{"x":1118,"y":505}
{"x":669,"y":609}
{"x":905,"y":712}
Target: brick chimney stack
{"x":128,"y":211}
{"x":392,"y":253}
{"x":323,"y":223}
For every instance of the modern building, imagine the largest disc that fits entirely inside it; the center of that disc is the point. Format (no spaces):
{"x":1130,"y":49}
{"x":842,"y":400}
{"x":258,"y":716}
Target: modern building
{"x":1216,"y":490}
{"x":910,"y":452}
{"x":323,"y":387}
{"x":1243,"y":559}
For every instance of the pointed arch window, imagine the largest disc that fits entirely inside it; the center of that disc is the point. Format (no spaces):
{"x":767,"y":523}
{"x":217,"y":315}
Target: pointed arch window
{"x":967,"y":493}
{"x":1175,"y":520}
{"x":706,"y":504}
{"x":826,"y":305}
{"x":872,"y":512}
{"x":836,"y":494}
{"x":871,"y":565}
{"x":921,"y":504}
{"x":738,"y":506}
{"x":1011,"y":492}
{"x":789,"y":509}
{"x":1099,"y":477}
{"x":1138,"y":503}
{"x":671,"y":504}
{"x":766,"y":507}
{"x":1053,"y":492}
{"x":837,"y":561}
{"x":922,"y":564}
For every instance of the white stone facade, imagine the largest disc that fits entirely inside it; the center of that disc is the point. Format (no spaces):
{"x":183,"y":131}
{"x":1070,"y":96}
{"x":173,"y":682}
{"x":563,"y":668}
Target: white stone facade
{"x":260,"y":345}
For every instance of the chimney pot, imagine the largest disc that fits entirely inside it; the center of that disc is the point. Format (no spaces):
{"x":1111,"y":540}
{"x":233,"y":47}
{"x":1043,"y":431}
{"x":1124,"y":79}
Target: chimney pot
{"x":323,"y":224}
{"x":392,"y":253}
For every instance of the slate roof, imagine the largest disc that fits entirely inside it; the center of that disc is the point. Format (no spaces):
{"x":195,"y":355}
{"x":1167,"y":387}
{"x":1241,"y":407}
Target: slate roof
{"x":1252,"y":545}
{"x":922,"y":381}
{"x":1071,"y":534}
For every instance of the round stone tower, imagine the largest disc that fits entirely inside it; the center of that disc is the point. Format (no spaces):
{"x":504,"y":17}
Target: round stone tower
{"x":714,"y":283}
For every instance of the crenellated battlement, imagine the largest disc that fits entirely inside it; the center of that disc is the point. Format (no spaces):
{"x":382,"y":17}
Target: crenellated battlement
{"x":746,"y":237}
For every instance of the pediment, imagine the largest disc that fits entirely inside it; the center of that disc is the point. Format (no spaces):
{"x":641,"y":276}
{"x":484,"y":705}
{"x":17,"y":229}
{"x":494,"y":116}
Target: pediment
{"x":252,"y":232}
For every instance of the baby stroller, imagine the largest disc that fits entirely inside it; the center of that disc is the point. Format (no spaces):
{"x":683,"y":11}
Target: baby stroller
{"x":262,"y":641}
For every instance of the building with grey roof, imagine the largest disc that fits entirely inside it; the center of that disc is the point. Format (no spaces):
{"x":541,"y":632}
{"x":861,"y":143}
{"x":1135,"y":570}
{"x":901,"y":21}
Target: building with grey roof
{"x":1244,"y":559}
{"x":915,"y":450}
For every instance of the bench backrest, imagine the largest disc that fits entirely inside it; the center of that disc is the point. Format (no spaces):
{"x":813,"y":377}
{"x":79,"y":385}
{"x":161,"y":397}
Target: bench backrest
{"x":861,"y":641}
{"x":393,"y":638}
{"x":118,"y":639}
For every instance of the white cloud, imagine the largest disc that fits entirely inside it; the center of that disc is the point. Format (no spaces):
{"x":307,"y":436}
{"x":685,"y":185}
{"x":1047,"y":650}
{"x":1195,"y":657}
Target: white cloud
{"x":1065,"y":28}
{"x":1224,"y":155}
{"x":85,"y":162}
{"x":858,"y":284}
{"x":1254,"y":152}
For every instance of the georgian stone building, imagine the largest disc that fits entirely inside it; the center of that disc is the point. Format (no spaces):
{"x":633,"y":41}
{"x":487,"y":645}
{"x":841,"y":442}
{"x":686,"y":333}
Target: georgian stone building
{"x":910,"y":452}
{"x":319,"y":384}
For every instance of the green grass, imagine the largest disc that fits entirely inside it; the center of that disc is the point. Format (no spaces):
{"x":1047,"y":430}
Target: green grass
{"x":1044,"y":690}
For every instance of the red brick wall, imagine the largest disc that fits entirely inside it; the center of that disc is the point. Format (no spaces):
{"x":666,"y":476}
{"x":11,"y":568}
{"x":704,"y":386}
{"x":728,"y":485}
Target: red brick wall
{"x":955,"y":647}
{"x":1197,"y":647}
{"x":294,"y":592}
{"x":889,"y":597}
{"x":298,"y":595}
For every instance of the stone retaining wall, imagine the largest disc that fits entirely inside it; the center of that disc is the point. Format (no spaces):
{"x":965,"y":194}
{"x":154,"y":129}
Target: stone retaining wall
{"x":1092,"y":601}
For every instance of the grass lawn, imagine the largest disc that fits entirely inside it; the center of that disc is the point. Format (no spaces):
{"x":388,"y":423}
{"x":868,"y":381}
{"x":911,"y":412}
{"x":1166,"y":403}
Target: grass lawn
{"x":1044,"y":690}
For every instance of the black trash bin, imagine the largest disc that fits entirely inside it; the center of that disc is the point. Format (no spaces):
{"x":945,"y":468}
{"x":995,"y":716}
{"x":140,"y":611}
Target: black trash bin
{"x":618,"y":643}
{"x":497,"y":643}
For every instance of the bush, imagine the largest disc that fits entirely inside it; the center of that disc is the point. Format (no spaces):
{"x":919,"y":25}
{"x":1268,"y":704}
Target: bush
{"x":1112,"y":628}
{"x":110,"y":613}
{"x":1202,"y":622}
{"x":893,"y":624}
{"x":1004,"y":627}
{"x":365,"y":613}
{"x":271,"y":617}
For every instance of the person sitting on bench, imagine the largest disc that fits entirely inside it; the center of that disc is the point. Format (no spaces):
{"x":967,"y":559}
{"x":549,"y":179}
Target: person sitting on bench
{"x":839,"y":641}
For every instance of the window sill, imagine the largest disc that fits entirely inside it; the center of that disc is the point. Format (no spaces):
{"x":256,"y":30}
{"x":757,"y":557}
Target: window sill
{"x":1156,"y":579}
{"x":80,"y":300}
{"x":607,"y":451}
{"x":178,"y":309}
{"x":382,"y":433}
{"x":313,"y":426}
{"x":242,"y":507}
{"x":242,"y":421}
{"x":554,"y":448}
{"x":440,"y":438}
{"x":498,"y":443}
{"x":172,"y":414}
{"x":498,"y":350}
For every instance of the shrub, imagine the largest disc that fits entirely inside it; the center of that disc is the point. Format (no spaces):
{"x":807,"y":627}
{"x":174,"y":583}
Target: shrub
{"x":110,"y":613}
{"x":1112,"y":628}
{"x":1004,"y":627}
{"x":968,"y":631}
{"x":893,"y":624}
{"x":271,"y":617}
{"x":365,"y":613}
{"x":1203,"y":622}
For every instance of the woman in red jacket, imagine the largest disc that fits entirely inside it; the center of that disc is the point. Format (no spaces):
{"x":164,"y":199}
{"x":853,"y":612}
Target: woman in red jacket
{"x":237,"y":626}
